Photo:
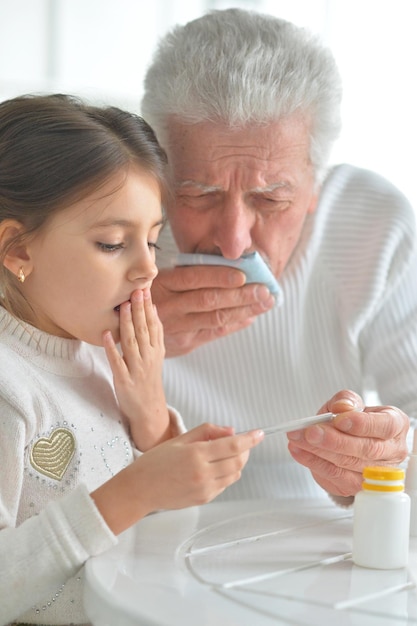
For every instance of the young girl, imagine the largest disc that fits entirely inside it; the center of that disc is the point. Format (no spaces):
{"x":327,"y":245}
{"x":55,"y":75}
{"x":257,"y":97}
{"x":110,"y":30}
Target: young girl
{"x":87,"y":444}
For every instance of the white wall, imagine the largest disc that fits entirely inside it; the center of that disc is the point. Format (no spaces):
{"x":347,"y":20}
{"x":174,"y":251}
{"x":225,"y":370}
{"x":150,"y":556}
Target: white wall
{"x":101,"y":48}
{"x":95,"y":48}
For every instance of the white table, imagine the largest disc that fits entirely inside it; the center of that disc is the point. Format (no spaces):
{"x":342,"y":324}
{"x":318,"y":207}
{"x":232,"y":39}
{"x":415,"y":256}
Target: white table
{"x":248,"y":563}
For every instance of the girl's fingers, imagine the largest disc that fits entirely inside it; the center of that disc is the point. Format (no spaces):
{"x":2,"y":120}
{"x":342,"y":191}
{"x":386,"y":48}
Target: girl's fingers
{"x":230,"y":467}
{"x":233,"y":446}
{"x":222,"y":440}
{"x":127,"y":330}
{"x":154,"y":326}
{"x":139,"y":321}
{"x":117,"y":364}
{"x":134,"y":331}
{"x":140,"y":327}
{"x":145,"y":320}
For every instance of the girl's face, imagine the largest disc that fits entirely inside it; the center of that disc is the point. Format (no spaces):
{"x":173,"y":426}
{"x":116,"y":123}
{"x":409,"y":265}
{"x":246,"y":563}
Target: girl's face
{"x":90,"y":257}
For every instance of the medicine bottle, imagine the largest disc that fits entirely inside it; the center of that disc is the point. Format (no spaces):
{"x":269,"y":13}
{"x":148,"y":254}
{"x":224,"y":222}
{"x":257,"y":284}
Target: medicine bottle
{"x":381,"y":519}
{"x":411,"y":486}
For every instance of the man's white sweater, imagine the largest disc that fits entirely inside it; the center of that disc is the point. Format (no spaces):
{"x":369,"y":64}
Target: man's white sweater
{"x":348,"y":321}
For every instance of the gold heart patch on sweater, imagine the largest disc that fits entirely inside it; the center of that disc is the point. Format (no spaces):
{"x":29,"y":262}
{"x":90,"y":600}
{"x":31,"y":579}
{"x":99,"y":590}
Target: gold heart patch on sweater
{"x":52,"y":455}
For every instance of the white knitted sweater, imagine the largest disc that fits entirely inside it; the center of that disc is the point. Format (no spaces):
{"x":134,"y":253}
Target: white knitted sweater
{"x":61,"y":436}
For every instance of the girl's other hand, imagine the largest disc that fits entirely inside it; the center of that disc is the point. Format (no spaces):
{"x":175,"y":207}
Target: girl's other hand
{"x":188,"y":470}
{"x":137,"y":370}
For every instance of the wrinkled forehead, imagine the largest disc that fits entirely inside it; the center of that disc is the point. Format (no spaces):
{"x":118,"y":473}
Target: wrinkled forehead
{"x":209,"y":151}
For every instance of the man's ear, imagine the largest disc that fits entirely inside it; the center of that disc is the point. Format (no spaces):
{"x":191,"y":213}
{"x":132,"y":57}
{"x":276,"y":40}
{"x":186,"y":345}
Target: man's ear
{"x":313,"y":202}
{"x":17,"y":257}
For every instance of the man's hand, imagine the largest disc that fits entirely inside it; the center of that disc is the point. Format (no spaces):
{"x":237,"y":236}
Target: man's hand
{"x":197,"y":304}
{"x":337,"y":452}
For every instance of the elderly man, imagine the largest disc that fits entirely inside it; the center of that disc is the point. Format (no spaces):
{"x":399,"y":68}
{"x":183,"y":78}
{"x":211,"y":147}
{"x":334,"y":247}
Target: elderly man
{"x":247,"y":107}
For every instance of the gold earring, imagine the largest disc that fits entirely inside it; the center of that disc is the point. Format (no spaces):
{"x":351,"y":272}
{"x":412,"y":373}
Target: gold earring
{"x":21,"y":275}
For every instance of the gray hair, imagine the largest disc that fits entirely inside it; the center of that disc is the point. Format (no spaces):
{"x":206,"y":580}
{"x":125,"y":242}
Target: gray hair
{"x":237,"y":67}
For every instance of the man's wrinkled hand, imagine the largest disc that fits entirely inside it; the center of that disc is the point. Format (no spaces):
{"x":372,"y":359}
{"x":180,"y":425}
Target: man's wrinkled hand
{"x":336,"y":452}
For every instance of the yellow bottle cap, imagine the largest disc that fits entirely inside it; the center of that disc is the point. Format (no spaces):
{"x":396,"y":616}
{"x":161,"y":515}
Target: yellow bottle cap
{"x":383,"y":473}
{"x":382,"y":478}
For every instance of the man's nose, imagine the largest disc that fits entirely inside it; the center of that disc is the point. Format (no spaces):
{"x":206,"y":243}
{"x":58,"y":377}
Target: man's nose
{"x":233,"y":230}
